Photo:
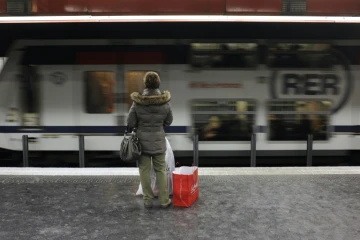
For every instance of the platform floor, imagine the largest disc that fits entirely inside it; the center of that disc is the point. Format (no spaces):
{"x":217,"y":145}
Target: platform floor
{"x":251,"y":204}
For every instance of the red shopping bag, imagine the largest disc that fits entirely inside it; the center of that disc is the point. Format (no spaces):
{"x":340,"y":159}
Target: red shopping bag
{"x":185,"y":186}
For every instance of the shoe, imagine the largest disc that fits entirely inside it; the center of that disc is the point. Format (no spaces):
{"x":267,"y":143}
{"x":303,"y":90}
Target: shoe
{"x":166,"y":205}
{"x":148,"y":205}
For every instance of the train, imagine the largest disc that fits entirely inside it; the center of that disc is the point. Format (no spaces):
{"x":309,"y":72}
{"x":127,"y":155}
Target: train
{"x":226,"y":92}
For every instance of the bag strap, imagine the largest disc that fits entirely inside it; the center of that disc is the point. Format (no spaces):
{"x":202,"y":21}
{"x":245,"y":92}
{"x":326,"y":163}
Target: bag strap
{"x":129,"y":130}
{"x":126,"y":130}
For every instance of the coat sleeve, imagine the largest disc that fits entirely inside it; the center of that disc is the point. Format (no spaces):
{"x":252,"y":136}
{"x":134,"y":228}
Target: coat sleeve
{"x":169,"y":118}
{"x":132,"y":119}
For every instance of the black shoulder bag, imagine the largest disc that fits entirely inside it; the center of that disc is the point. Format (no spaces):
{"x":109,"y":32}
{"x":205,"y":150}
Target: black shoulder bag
{"x":130,"y":148}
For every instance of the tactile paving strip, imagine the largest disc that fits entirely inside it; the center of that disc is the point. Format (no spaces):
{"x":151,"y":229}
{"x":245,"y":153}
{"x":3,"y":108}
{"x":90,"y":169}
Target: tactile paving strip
{"x":355,"y":178}
{"x":203,"y":171}
{"x":69,"y":179}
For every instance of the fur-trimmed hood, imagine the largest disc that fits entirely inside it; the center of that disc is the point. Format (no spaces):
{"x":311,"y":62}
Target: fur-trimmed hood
{"x":151,"y":97}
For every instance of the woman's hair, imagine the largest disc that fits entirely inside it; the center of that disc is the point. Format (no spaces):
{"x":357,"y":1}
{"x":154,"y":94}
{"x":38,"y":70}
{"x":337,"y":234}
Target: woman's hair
{"x":152,"y":80}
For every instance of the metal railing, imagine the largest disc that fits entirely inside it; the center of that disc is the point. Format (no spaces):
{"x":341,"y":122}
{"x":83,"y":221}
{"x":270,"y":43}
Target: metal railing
{"x":253,"y":150}
{"x":309,"y":150}
{"x":25,"y":143}
{"x":196,"y":150}
{"x":81,"y":151}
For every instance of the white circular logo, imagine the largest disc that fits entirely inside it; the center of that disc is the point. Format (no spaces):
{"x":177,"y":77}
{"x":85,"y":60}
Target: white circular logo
{"x":336,"y":85}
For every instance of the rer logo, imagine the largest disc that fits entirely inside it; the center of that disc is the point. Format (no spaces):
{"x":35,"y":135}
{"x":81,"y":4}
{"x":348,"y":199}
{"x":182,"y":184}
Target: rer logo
{"x":309,"y":84}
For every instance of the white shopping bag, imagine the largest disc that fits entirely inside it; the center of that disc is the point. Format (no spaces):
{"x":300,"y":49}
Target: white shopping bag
{"x":170,"y":167}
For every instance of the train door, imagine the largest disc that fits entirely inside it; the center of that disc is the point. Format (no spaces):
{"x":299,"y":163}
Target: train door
{"x":57,"y":111}
{"x":57,"y":97}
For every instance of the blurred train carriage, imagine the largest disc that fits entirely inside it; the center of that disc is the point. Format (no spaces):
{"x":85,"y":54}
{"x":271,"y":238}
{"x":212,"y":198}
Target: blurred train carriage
{"x":222,"y":90}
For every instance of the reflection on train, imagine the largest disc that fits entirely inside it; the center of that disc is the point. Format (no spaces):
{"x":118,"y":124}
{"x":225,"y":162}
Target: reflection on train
{"x":300,"y":56}
{"x":230,"y":55}
{"x":223,"y":120}
{"x":295,"y":120}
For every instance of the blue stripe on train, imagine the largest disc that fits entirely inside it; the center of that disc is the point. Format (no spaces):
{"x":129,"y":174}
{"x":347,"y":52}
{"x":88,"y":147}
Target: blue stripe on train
{"x":79,"y":129}
{"x":121,"y":129}
{"x":336,"y":128}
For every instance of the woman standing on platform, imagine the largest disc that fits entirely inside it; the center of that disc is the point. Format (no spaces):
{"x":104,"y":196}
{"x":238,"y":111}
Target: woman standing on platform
{"x":149,"y":114}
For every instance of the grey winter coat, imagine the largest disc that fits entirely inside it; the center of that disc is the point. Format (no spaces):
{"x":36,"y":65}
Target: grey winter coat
{"x":150,"y":113}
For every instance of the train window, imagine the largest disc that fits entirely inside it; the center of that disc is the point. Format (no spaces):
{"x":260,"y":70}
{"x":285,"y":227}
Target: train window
{"x":224,"y":55}
{"x":134,"y":83}
{"x":291,"y":55}
{"x":223,"y":120}
{"x":99,"y":92}
{"x":105,"y":54}
{"x":295,"y":119}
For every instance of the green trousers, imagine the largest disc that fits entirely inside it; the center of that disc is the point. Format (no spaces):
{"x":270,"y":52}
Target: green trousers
{"x":161,"y":177}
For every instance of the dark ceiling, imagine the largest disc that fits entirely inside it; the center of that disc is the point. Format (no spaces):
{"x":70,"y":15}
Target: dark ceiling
{"x":326,"y":31}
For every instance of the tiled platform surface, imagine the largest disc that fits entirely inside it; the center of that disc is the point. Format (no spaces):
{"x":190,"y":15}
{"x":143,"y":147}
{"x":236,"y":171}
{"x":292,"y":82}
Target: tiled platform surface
{"x":286,"y":203}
